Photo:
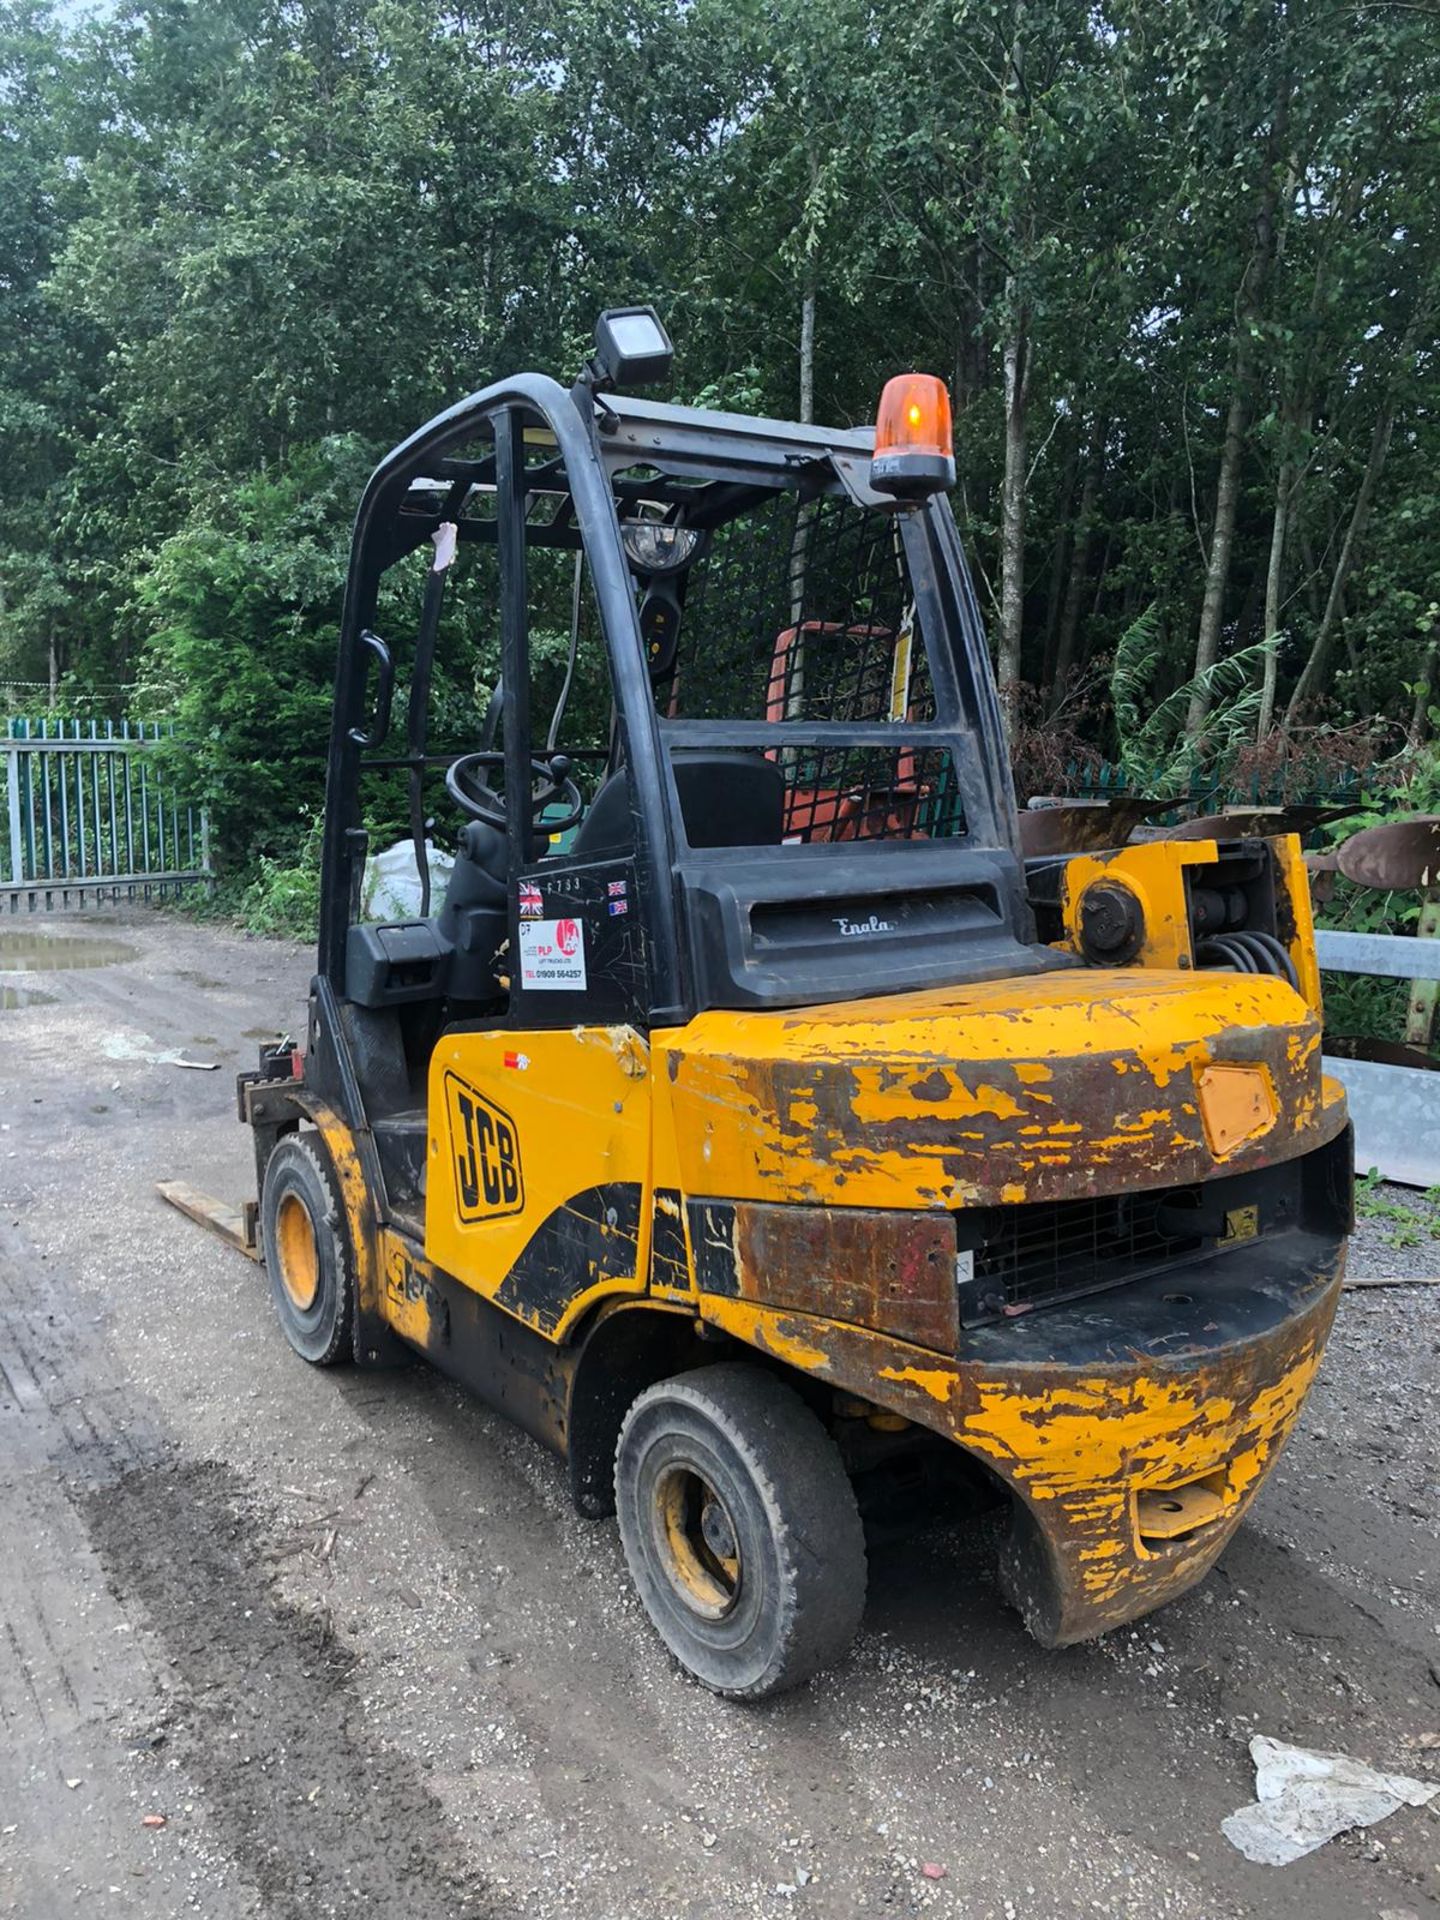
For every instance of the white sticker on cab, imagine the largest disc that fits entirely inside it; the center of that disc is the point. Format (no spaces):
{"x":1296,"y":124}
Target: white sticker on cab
{"x":552,"y":955}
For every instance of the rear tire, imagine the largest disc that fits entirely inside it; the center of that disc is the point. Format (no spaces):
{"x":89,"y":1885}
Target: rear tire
{"x":307,"y":1252}
{"x":740,"y":1529}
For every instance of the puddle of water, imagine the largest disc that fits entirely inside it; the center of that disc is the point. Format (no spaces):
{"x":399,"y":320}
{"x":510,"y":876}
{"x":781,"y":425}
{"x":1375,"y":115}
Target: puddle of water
{"x":12,"y":997}
{"x":28,"y":950}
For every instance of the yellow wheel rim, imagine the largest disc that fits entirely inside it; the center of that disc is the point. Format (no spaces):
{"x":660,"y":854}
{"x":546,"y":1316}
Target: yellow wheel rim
{"x":700,"y":1546}
{"x":297,"y":1253}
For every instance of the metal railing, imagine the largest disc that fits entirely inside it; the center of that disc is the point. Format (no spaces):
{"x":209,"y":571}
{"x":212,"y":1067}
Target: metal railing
{"x":91,"y":817}
{"x":1395,"y":1109}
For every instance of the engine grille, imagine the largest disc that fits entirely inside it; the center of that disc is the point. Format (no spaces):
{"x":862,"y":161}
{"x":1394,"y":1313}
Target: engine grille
{"x":1032,"y":1255}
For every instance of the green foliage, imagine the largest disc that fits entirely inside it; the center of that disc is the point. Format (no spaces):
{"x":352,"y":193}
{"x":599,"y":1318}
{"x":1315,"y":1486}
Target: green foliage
{"x":1411,"y":784}
{"x":1155,"y":749}
{"x":1359,"y":1008}
{"x":283,"y":897}
{"x":246,"y":245}
{"x":1407,"y":1222}
{"x":1131,"y":671}
{"x":244,"y":614}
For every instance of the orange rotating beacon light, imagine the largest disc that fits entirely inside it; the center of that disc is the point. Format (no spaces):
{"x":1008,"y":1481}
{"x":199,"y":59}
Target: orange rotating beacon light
{"x":914,"y":444}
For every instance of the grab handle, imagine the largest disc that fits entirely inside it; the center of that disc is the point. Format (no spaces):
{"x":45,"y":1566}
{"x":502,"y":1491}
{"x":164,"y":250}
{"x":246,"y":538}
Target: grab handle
{"x":380,"y":722}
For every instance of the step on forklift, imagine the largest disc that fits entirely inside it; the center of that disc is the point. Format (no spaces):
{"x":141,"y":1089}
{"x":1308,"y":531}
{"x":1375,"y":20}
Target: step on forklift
{"x":749,"y":1120}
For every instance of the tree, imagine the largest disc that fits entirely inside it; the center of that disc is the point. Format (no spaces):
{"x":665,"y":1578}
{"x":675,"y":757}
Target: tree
{"x":1175,"y":262}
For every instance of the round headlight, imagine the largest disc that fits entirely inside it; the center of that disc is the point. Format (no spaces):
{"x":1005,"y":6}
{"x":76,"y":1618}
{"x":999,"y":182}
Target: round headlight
{"x":655,"y":547}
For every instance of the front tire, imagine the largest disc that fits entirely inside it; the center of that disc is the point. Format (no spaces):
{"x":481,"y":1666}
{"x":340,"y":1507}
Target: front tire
{"x":740,"y":1529}
{"x":307,"y":1252}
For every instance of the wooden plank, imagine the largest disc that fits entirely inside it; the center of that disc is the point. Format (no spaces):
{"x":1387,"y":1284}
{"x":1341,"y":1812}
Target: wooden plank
{"x":206,"y":1211}
{"x":1391,"y":1280}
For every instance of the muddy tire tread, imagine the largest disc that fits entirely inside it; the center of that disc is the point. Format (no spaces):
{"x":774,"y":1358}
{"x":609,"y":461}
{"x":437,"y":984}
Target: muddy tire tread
{"x":305,"y":1150}
{"x":814,"y":1522}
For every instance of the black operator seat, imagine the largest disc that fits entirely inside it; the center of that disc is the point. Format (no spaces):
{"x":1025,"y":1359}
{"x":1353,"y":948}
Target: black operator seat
{"x":727,"y":799}
{"x":455,"y":952}
{"x":474,"y":918}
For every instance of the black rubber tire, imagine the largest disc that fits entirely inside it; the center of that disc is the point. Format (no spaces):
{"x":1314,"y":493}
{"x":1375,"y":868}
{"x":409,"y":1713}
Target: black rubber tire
{"x":799,"y":1592}
{"x":299,"y":1181}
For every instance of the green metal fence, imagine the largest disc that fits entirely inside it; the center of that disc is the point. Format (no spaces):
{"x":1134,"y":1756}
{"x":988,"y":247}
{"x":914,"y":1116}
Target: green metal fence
{"x":91,"y":816}
{"x":1207,"y":793}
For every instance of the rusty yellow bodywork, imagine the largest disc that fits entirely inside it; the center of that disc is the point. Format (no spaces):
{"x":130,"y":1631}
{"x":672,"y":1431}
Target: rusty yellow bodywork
{"x":1013,"y":1090}
{"x":792,"y":1180}
{"x":1088,"y":1445}
{"x":1155,"y":873}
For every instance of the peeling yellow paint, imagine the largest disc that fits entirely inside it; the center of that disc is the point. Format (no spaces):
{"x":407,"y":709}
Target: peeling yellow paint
{"x":878,"y":1104}
{"x":789,"y":1347}
{"x":581,"y":1117}
{"x":918,"y":1098}
{"x":938,"y":1382}
{"x":357,"y":1199}
{"x":1077,"y":1448}
{"x":1000,"y":1092}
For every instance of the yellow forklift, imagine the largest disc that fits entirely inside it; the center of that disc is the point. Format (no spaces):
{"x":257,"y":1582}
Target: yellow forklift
{"x":749,"y":1120}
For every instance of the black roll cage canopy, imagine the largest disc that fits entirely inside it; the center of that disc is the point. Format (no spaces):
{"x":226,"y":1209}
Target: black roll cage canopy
{"x":596,"y":440}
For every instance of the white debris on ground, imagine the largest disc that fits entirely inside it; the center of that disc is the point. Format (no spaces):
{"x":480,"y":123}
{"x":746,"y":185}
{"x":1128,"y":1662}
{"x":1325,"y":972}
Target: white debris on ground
{"x":140,"y":1046}
{"x":1306,"y":1798}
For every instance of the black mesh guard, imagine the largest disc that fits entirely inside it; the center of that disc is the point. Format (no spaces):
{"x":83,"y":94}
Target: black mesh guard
{"x":801,"y":613}
{"x":795,"y":611}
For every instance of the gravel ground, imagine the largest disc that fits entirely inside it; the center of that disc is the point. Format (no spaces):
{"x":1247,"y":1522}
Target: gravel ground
{"x":1398,"y":1232}
{"x":344,"y":1636}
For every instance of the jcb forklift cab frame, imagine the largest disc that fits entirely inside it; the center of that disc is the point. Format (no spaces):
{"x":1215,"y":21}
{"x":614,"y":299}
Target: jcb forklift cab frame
{"x":713,"y":927}
{"x":780,"y":1144}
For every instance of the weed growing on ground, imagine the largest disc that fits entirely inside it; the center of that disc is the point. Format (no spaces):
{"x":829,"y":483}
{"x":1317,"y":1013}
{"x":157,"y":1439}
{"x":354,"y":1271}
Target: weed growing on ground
{"x":283,"y":899}
{"x":1409,"y":1223}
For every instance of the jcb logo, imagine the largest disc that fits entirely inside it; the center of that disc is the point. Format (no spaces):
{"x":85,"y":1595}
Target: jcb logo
{"x":486,"y":1154}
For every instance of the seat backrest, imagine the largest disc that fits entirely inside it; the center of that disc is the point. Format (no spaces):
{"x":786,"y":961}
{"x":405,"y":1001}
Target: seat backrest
{"x":730,"y":799}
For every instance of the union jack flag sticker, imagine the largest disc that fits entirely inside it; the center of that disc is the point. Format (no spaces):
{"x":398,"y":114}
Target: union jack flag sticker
{"x":531,"y":905}
{"x":616,"y":889}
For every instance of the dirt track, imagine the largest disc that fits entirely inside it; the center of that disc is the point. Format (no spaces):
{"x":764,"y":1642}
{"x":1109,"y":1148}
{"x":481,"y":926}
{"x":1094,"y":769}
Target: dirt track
{"x":343,"y":1631}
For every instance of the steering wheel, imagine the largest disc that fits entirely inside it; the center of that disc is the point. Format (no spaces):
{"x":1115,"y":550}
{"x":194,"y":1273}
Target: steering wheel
{"x":477,"y":798}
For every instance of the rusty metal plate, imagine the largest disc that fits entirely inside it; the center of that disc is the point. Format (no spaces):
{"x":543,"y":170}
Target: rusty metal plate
{"x":1402,"y":853}
{"x":863,"y":1266}
{"x":1084,"y":826}
{"x":1250,"y":823}
{"x":1323,"y":870}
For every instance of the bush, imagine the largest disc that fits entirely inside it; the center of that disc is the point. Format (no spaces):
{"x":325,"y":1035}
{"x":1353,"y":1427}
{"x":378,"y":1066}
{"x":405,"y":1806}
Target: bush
{"x":283,"y":899}
{"x":244,"y":613}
